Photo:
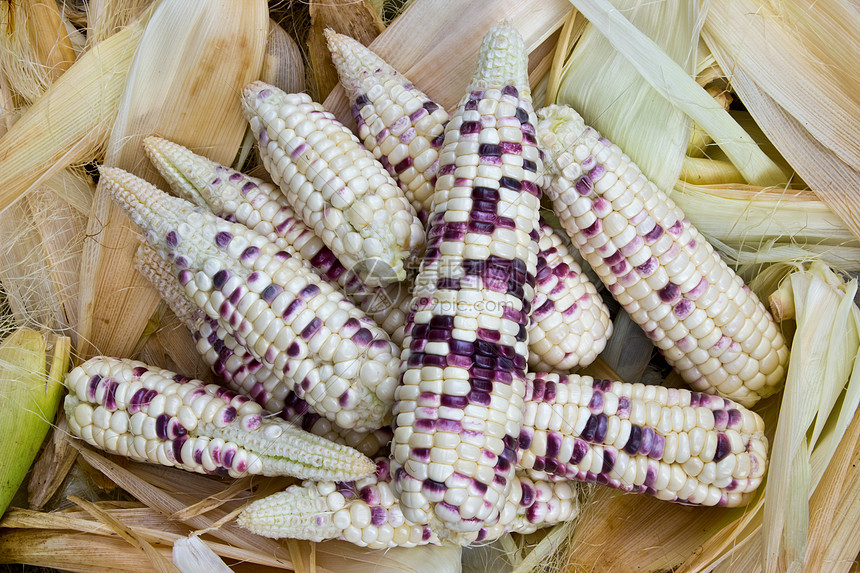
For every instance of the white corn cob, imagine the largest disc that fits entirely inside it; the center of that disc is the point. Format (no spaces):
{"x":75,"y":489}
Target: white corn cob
{"x":701,"y":316}
{"x":570,"y":324}
{"x":459,"y":406}
{"x":321,"y":346}
{"x":262,"y":207}
{"x":337,"y":187}
{"x":367,"y":513}
{"x":672,"y":443}
{"x":396,"y":121}
{"x":150,"y":414}
{"x":240,"y":371}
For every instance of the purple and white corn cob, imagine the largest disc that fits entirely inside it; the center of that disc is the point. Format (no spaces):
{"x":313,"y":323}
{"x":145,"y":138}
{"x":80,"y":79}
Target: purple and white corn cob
{"x":150,"y":414}
{"x":396,"y":121}
{"x":238,"y":370}
{"x":262,"y":207}
{"x":672,"y":443}
{"x":706,"y":322}
{"x":367,"y":513}
{"x":336,"y":185}
{"x":315,"y":340}
{"x":570,"y":324}
{"x":459,"y":405}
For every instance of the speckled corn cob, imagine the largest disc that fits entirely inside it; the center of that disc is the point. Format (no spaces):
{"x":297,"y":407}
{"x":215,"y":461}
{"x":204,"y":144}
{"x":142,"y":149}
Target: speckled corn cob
{"x":570,"y":323}
{"x":366,"y":512}
{"x":701,"y":316}
{"x":672,"y":443}
{"x":240,"y":371}
{"x":150,"y":414}
{"x":459,"y":406}
{"x":323,"y":347}
{"x":262,"y":207}
{"x":397,"y":122}
{"x":337,"y":187}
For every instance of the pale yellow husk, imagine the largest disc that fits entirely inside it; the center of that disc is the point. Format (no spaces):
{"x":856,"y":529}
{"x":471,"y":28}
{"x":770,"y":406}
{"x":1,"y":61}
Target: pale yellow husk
{"x":787,"y":63}
{"x":614,"y":98}
{"x":71,"y":121}
{"x":673,"y":83}
{"x":193,"y":61}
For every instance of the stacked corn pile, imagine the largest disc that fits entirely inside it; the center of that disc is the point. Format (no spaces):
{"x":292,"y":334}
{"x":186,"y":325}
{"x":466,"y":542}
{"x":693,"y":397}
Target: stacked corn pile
{"x":739,"y":121}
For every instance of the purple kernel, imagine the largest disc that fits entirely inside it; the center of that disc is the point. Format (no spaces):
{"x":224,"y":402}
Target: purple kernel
{"x":470,"y":127}
{"x":161,"y":426}
{"x":596,"y":402}
{"x":223,"y":239}
{"x":171,"y":239}
{"x":653,"y":234}
{"x":522,"y":115}
{"x":270,"y":292}
{"x":683,"y":308}
{"x":250,"y":254}
{"x":648,"y":267}
{"x":489,"y":149}
{"x":580,"y":448}
{"x":723,"y":447}
{"x":92,"y":386}
{"x":110,"y":394}
{"x":378,"y":515}
{"x":236,"y":177}
{"x":593,"y":229}
{"x":312,"y":328}
{"x":510,"y":91}
{"x":669,"y":293}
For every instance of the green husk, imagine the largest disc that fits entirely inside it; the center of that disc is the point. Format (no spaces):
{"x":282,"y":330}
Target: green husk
{"x":30,"y":394}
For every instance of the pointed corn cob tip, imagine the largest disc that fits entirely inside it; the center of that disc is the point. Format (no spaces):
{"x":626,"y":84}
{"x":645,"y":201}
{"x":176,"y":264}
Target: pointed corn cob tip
{"x":700,"y":315}
{"x":503,"y":60}
{"x":129,"y":408}
{"x":342,"y":192}
{"x":149,"y":263}
{"x":177,"y":165}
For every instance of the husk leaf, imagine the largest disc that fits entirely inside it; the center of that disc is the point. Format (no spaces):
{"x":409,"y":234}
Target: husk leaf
{"x":355,"y":18}
{"x":614,"y":98}
{"x":30,"y":394}
{"x":57,"y":130}
{"x":194,"y":59}
{"x":673,"y":83}
{"x":829,"y":171}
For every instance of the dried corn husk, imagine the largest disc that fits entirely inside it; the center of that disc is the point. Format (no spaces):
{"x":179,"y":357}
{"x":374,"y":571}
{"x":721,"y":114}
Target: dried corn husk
{"x":673,"y":83}
{"x":614,"y":98}
{"x":194,"y":59}
{"x":35,"y":47}
{"x":59,"y":130}
{"x":30,"y":393}
{"x":786,"y":61}
{"x":355,"y":18}
{"x":106,"y":17}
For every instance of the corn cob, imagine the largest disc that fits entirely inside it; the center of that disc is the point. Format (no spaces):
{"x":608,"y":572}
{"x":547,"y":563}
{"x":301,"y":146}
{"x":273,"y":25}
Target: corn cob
{"x":459,"y":406}
{"x":367,"y":513}
{"x":238,"y":370}
{"x":318,"y":343}
{"x":570,"y":323}
{"x":396,"y":121}
{"x":701,"y":316}
{"x":672,"y":443}
{"x":335,"y":185}
{"x":262,"y":207}
{"x":150,"y":414}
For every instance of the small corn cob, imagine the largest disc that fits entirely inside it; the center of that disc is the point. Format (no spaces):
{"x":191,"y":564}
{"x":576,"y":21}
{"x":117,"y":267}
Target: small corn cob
{"x":150,"y":414}
{"x":459,"y":405}
{"x":570,"y":323}
{"x":321,"y":346}
{"x":240,"y":371}
{"x":674,"y":444}
{"x":262,"y":207}
{"x":337,"y":187}
{"x":397,"y":122}
{"x":367,"y":513}
{"x":701,"y":316}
